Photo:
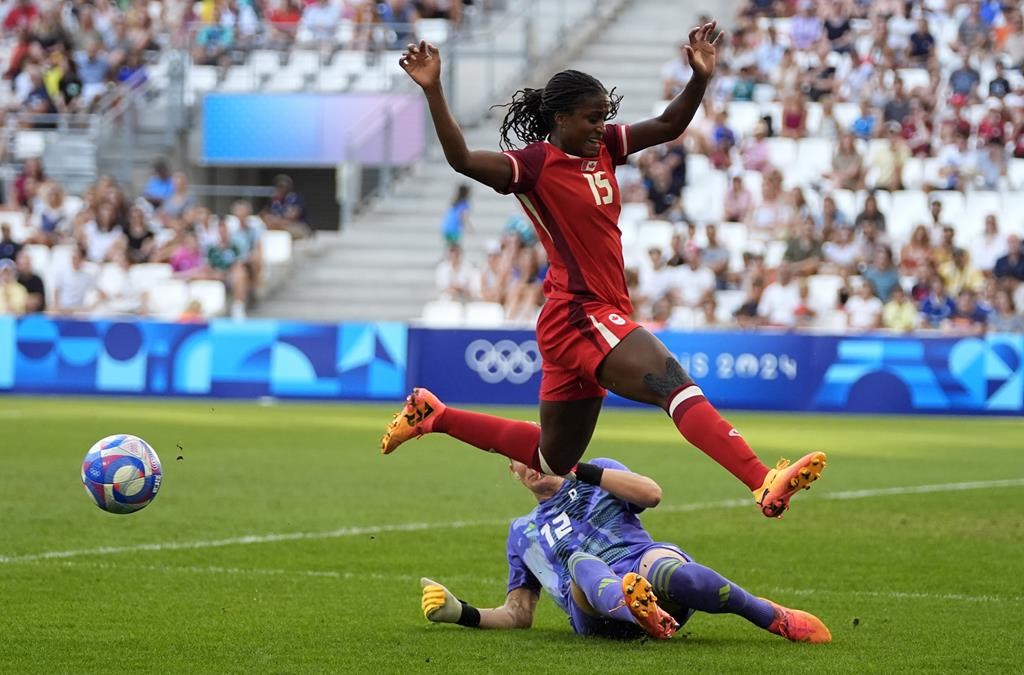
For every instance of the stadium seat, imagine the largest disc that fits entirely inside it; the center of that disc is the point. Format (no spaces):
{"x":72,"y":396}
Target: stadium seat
{"x":913,"y":173}
{"x":1011,"y":217}
{"x":238,"y":79}
{"x":442,"y":314}
{"x":211,"y":295}
{"x":655,"y":233}
{"x":831,"y":321}
{"x":484,"y":315}
{"x":914,"y":77}
{"x":201,"y":79}
{"x":979,"y":205}
{"x":782,"y":152}
{"x":1015,"y":172}
{"x":345,"y":33}
{"x":29,"y":144}
{"x":16,"y":219}
{"x":824,"y":291}
{"x":150,"y":275}
{"x":909,"y":209}
{"x":815,"y":154}
{"x":774,"y":253}
{"x":846,"y":114}
{"x":952,"y":205}
{"x":168,"y":299}
{"x":726,"y":304}
{"x":39,"y":255}
{"x":744,"y":116}
{"x":682,"y":318}
{"x":277,"y":247}
{"x":847,"y":202}
{"x":60,"y":258}
{"x":110,"y":278}
{"x":432,"y":30}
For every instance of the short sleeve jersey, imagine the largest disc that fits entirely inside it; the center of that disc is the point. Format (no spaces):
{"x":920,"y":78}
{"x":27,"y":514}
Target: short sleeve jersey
{"x":579,"y":517}
{"x":574,"y":204}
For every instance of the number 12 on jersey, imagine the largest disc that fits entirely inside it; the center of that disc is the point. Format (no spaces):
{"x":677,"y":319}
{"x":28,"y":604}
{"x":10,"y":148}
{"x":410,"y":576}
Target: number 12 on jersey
{"x":562,"y":526}
{"x":601,"y":187}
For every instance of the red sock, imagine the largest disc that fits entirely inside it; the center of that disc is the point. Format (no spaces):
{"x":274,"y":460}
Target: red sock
{"x":700,"y":424}
{"x":516,"y":440}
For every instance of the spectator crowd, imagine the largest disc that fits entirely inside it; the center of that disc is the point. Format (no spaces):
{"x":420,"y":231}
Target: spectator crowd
{"x":916,"y":102}
{"x":108,"y":238}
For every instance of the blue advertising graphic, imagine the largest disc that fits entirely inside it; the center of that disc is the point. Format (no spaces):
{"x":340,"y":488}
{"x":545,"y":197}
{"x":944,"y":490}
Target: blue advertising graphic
{"x":378,"y":361}
{"x":223,"y":359}
{"x":757,"y":371}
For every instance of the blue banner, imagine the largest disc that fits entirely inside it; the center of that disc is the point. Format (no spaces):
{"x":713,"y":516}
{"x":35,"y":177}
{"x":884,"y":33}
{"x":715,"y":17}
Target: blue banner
{"x":757,"y":371}
{"x":378,"y":361}
{"x":224,"y":358}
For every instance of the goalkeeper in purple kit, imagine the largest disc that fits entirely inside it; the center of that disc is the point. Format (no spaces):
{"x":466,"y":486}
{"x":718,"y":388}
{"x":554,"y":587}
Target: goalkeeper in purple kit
{"x":586,"y":547}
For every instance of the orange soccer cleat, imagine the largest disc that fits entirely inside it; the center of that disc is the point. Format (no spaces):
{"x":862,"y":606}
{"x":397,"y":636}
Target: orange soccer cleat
{"x":798,"y":626}
{"x":643,"y":604}
{"x":785,"y":480}
{"x":422,"y":408}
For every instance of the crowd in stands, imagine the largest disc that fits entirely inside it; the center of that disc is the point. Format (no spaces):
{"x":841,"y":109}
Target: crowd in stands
{"x":94,"y":249}
{"x":61,"y":56}
{"x":797,"y":215}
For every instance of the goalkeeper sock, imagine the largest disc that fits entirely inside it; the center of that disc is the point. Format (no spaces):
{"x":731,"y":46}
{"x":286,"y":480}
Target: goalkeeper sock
{"x":701,"y":588}
{"x":601,"y":585}
{"x":513,"y":439}
{"x":700,"y":424}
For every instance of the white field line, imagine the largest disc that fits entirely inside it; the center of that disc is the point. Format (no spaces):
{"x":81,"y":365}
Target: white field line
{"x":411,"y":579}
{"x":462,"y":524}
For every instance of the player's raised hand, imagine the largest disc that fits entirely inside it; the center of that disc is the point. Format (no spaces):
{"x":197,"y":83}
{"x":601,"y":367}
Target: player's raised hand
{"x":702,"y":48}
{"x":438,"y":603}
{"x":423,"y":63}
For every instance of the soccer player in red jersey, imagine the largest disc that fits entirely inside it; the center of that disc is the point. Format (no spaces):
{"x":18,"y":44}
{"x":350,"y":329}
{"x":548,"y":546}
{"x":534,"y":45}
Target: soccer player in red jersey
{"x":565,"y":180}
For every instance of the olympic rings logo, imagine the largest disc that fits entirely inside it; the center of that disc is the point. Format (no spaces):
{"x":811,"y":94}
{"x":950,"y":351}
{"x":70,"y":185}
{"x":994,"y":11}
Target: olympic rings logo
{"x":504,"y":360}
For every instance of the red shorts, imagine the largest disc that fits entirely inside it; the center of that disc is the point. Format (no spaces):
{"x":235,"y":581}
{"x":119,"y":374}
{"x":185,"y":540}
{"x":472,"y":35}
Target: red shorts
{"x":574,"y":337}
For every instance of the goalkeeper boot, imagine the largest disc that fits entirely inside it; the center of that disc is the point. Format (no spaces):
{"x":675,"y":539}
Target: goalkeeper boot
{"x":798,"y":626}
{"x":643,"y":605}
{"x":417,"y":417}
{"x":785,"y":480}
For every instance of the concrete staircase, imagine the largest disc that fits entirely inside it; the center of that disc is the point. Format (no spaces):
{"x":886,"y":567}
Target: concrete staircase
{"x":382,"y":266}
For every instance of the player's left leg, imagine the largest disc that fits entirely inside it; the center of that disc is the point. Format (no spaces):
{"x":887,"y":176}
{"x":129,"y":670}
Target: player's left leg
{"x":629,"y":599}
{"x":641,"y":368}
{"x":695,"y":586}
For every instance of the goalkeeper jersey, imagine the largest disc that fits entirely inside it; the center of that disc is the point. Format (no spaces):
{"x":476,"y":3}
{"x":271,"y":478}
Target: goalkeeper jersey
{"x":579,"y":517}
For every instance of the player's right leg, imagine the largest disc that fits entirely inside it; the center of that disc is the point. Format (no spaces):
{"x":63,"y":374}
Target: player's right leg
{"x":629,"y":599}
{"x":694,"y":586}
{"x":641,"y":368}
{"x":554,"y":447}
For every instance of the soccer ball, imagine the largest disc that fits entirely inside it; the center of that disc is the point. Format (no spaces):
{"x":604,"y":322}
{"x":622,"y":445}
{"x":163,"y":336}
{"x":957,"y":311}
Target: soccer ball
{"x":121,"y":473}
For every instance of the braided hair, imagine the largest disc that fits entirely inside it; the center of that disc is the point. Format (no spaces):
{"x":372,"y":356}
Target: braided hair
{"x":531,"y":112}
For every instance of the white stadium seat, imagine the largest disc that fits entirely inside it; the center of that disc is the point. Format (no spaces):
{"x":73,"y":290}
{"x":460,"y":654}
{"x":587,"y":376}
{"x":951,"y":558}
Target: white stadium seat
{"x":484,"y":315}
{"x":168,"y":299}
{"x":277,"y":247}
{"x":40,"y":257}
{"x":16,"y":219}
{"x":211,"y":295}
{"x":149,"y":275}
{"x":824,"y":291}
{"x":443,"y":314}
{"x":655,"y":233}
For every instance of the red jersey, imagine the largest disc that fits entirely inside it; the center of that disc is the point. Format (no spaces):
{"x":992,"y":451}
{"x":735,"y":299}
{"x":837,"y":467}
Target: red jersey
{"x":574,"y":205}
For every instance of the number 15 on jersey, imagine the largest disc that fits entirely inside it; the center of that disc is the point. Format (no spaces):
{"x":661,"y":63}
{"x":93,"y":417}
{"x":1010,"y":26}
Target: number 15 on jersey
{"x":601,"y":187}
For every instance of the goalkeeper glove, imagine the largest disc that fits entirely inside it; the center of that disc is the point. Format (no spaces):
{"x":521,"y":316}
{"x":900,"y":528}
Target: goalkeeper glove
{"x":440,"y":606}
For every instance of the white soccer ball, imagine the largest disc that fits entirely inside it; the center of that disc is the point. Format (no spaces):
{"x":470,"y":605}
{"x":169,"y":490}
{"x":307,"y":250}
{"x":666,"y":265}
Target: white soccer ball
{"x":121,"y":473}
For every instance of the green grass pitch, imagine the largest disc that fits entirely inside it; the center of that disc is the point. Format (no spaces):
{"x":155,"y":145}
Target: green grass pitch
{"x":928,"y":581}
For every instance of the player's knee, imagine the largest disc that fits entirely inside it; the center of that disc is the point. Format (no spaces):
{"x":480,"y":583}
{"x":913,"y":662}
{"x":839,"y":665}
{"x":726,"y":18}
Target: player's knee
{"x":663,"y":382}
{"x":557,"y":463}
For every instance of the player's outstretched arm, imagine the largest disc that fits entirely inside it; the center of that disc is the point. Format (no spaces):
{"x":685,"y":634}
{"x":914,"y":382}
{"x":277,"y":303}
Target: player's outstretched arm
{"x":440,"y":606}
{"x":626,"y":485}
{"x":672,"y":122}
{"x":422,"y":63}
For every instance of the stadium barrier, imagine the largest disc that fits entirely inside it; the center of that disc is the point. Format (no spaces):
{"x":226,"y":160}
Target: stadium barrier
{"x":378,"y":361}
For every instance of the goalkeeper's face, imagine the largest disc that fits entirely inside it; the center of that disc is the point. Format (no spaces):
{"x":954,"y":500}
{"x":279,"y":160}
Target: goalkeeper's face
{"x":536,"y":482}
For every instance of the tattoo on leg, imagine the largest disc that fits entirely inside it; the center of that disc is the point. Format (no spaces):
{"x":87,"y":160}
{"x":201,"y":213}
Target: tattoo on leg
{"x":674,"y":377}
